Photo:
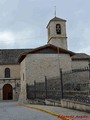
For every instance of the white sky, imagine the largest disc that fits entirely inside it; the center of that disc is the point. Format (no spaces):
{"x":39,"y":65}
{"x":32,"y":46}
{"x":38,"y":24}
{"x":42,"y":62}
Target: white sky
{"x":23,"y":22}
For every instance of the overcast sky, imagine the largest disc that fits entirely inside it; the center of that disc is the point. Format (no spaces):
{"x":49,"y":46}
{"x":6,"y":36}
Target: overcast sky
{"x":23,"y":23}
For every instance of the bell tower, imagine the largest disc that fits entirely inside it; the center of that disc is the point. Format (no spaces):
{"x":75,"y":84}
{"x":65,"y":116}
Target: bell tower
{"x":57,"y":32}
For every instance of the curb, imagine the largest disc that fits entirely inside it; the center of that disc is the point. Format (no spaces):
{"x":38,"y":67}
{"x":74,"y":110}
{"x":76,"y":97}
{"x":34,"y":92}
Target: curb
{"x":46,"y":111}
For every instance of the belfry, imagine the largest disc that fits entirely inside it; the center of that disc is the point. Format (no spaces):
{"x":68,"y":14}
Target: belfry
{"x":57,"y":32}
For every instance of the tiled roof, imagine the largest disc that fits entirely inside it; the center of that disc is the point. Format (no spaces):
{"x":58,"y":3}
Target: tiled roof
{"x":10,"y":56}
{"x":57,"y":19}
{"x":80,"y":56}
{"x":46,"y":49}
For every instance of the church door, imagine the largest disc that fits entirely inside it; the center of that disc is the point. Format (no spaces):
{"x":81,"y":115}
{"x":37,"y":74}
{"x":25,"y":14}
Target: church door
{"x":7,"y":92}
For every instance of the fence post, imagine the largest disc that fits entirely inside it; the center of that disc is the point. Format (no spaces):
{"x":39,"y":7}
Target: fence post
{"x":61,"y":79}
{"x":46,"y":86}
{"x":89,"y":68}
{"x":34,"y":89}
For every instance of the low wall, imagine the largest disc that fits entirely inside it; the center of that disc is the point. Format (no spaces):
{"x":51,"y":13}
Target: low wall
{"x":75,"y":105}
{"x":52,"y":102}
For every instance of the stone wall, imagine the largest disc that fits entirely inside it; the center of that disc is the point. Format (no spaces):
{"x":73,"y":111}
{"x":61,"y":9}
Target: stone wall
{"x":37,"y":66}
{"x":81,"y":76}
{"x":14,"y":71}
{"x":40,"y":65}
{"x":75,"y":105}
{"x":15,"y":86}
{"x":59,"y":40}
{"x":22,"y":96}
{"x":77,"y":64}
{"x":13,"y":80}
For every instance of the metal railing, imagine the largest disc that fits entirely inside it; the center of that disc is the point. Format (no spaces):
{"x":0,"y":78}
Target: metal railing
{"x":73,"y":85}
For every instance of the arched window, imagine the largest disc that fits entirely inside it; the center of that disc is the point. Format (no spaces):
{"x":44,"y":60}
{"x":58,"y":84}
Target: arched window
{"x":7,"y":73}
{"x":58,"y":28}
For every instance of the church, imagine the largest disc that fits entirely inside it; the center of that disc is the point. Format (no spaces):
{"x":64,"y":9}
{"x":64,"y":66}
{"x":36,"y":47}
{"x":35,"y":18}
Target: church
{"x":47,"y":60}
{"x":19,"y":67}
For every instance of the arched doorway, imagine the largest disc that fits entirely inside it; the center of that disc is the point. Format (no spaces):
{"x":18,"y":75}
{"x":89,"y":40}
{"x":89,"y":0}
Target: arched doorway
{"x":7,"y":92}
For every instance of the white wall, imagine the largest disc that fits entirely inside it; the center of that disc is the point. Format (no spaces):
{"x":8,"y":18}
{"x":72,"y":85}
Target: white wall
{"x":77,"y":64}
{"x":22,"y":96}
{"x":40,"y":65}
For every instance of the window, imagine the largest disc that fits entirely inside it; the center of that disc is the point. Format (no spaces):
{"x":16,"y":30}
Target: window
{"x":7,"y":73}
{"x":58,"y":28}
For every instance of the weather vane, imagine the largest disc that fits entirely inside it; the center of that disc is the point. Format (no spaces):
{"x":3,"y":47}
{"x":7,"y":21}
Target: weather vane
{"x":55,"y":11}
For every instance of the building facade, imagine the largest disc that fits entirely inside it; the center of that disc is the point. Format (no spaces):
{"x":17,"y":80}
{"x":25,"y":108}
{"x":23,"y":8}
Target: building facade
{"x":19,"y":67}
{"x":10,"y":74}
{"x":47,"y":60}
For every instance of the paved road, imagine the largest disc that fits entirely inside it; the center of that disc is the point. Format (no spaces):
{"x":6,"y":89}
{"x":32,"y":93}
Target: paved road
{"x":10,"y":111}
{"x":75,"y":114}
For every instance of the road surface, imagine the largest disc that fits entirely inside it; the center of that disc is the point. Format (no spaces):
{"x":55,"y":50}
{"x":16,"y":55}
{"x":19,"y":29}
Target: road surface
{"x":10,"y":111}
